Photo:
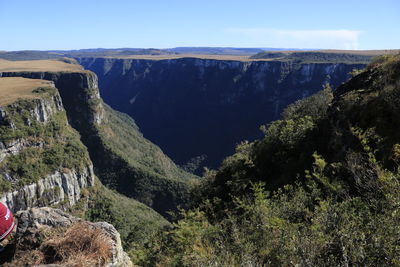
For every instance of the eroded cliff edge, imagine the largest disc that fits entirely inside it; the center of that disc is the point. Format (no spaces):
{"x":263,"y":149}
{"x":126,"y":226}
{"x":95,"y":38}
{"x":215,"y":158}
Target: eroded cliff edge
{"x":42,"y":160}
{"x":79,"y":93}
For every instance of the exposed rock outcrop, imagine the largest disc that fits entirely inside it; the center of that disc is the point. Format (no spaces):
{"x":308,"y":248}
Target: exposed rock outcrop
{"x":51,"y":190}
{"x":40,"y":110}
{"x":39,"y":125}
{"x":79,"y":93}
{"x":33,"y":221}
{"x":15,"y":146}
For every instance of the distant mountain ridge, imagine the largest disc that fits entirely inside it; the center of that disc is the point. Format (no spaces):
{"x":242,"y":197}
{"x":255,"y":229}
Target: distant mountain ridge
{"x":258,"y":53}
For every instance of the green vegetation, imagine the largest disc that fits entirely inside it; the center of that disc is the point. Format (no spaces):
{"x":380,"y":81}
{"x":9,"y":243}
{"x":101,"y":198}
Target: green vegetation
{"x":41,"y":90}
{"x":125,"y":161}
{"x":320,"y":189}
{"x":135,"y":222}
{"x":123,"y":137}
{"x":278,"y":158}
{"x":31,"y":164}
{"x":55,"y":146}
{"x":50,"y":146}
{"x":314,"y":106}
{"x":23,"y":125}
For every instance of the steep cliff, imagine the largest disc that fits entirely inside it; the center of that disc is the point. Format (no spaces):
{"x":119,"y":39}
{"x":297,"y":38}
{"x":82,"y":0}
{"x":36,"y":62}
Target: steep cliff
{"x":42,"y":161}
{"x":207,"y":105}
{"x":79,"y":93}
{"x":137,"y":168}
{"x":122,"y":158}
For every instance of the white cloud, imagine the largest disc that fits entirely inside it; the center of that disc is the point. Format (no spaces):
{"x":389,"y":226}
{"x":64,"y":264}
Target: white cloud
{"x":265,"y":37}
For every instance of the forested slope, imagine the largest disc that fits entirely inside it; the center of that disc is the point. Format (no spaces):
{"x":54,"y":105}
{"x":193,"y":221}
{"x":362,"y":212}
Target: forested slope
{"x":320,"y":189}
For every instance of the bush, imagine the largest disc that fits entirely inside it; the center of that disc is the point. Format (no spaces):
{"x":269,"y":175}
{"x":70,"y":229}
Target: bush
{"x":135,"y":222}
{"x":315,"y":106}
{"x":79,"y":245}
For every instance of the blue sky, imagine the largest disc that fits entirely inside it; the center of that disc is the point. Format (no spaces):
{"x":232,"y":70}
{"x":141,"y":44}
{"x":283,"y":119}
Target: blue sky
{"x":75,"y":24}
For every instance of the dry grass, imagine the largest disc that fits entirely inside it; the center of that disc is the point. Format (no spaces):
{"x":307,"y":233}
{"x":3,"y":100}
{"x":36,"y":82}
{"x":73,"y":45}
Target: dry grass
{"x":246,"y":58}
{"x":338,"y":51}
{"x":77,"y":246}
{"x":363,"y":52}
{"x":13,"y":88}
{"x":81,"y":245}
{"x":38,"y":65}
{"x":162,"y":57}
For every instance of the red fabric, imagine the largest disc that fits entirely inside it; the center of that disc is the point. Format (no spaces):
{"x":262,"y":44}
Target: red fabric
{"x":6,"y":221}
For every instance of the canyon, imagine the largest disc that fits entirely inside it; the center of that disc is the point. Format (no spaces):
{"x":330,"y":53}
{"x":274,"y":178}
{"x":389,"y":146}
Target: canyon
{"x":94,"y":121}
{"x":65,"y":146}
{"x":198,"y":109}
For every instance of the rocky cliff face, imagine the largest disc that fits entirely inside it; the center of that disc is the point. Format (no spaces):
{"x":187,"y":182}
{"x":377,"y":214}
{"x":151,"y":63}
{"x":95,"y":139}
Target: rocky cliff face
{"x":79,"y":93}
{"x":42,"y":161}
{"x":40,"y":110}
{"x":195,"y":107}
{"x":54,"y":189}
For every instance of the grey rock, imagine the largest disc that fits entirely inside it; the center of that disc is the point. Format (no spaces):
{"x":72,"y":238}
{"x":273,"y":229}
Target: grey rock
{"x":50,"y":190}
{"x":33,"y":220}
{"x":42,"y":110}
{"x":15,"y":146}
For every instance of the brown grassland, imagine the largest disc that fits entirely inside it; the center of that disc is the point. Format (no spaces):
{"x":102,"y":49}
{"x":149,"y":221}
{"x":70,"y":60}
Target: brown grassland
{"x":14,"y":88}
{"x":247,"y":58}
{"x":38,"y":65}
{"x":362,"y":52}
{"x":162,"y":57}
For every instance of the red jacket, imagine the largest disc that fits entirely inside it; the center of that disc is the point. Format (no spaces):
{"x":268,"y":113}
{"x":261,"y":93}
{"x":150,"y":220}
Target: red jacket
{"x":7,"y":223}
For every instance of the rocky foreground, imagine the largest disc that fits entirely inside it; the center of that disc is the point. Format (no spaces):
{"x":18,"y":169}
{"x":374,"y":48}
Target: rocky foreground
{"x":51,"y":237}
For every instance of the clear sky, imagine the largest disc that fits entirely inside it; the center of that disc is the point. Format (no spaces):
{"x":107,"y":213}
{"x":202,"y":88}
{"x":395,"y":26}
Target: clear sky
{"x":75,"y":24}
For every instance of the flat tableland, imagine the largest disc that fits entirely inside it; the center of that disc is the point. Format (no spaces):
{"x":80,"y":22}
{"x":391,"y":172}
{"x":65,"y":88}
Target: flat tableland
{"x":14,"y":88}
